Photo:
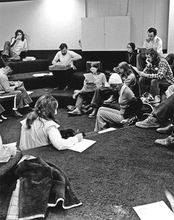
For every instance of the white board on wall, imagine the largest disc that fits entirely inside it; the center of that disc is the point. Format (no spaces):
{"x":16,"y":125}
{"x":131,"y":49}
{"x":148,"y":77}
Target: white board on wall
{"x":105,"y":33}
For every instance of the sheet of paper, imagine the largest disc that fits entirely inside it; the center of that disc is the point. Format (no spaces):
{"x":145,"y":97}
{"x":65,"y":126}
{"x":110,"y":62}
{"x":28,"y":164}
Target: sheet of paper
{"x":83,"y":145}
{"x":29,"y":92}
{"x":106,"y":130}
{"x":42,"y":74}
{"x":154,"y":211}
{"x":89,"y":77}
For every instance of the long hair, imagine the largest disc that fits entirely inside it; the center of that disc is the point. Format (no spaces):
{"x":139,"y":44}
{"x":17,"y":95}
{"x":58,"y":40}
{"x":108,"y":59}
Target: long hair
{"x":20,"y":31}
{"x":127,"y":70}
{"x":155,"y":56}
{"x":132,"y":46}
{"x":44,"y":108}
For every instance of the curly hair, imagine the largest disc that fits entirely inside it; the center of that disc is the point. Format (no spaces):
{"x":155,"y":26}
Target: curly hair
{"x":20,"y":31}
{"x":155,"y":56}
{"x":44,"y":108}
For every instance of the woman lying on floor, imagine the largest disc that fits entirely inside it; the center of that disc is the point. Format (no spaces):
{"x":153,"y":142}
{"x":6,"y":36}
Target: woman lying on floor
{"x":40,"y":127}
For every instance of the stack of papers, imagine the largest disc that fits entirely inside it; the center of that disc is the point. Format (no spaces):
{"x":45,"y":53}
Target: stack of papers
{"x":154,"y":211}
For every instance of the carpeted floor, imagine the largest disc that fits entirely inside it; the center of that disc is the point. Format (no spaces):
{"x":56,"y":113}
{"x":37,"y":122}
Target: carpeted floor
{"x":121,"y":170}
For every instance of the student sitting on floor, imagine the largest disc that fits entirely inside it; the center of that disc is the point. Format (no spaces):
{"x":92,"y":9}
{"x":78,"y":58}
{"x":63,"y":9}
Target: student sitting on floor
{"x":108,"y":115}
{"x":40,"y":127}
{"x":128,"y":78}
{"x":99,"y":80}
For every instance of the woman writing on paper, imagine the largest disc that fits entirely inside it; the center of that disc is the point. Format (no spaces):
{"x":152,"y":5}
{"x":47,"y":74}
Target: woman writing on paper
{"x":97,"y":80}
{"x":40,"y":127}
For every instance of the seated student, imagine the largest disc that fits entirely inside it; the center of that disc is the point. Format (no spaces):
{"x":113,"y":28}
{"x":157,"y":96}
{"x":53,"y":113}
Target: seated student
{"x":64,"y":57}
{"x":131,"y":54}
{"x":40,"y":127}
{"x":153,"y":41}
{"x":157,"y":72}
{"x":128,"y":78}
{"x":2,"y":117}
{"x":16,"y":89}
{"x":16,"y":49}
{"x":89,"y":87}
{"x":107,"y":115}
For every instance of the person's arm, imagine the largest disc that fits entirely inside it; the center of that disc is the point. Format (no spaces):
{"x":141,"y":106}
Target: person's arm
{"x":6,"y":86}
{"x":25,"y":47}
{"x":59,"y":143}
{"x":75,"y":56}
{"x":159,"y":46}
{"x":56,"y":59}
{"x":13,"y":41}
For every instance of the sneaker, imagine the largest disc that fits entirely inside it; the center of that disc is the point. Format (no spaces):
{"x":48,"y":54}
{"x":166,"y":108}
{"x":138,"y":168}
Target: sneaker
{"x":17,"y":114}
{"x":93,"y":114}
{"x":75,"y":112}
{"x":149,"y":122}
{"x":166,"y":130}
{"x":166,"y":142}
{"x":70,"y":107}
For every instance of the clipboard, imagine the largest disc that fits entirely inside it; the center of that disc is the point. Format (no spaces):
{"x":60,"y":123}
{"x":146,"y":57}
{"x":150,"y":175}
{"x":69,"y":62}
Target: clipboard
{"x":89,"y":77}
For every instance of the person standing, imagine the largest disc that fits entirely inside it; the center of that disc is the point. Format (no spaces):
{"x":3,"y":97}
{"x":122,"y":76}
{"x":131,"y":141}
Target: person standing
{"x":153,"y":41}
{"x":16,"y":48}
{"x":64,"y":57}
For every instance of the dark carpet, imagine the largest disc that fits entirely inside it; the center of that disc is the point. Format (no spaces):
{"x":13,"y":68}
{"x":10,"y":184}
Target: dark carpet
{"x":121,"y":170}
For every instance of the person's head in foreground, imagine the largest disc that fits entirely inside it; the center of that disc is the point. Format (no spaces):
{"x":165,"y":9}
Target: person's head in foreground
{"x":45,"y":108}
{"x":115,"y":82}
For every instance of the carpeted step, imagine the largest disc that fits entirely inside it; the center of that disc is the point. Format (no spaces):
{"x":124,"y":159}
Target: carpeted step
{"x":30,"y":66}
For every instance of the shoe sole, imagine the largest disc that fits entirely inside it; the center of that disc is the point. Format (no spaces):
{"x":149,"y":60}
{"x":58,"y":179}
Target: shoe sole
{"x":141,"y":126}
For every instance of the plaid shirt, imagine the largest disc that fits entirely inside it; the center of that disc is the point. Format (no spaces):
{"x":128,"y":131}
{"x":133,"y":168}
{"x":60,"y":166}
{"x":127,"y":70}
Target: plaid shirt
{"x":162,"y":71}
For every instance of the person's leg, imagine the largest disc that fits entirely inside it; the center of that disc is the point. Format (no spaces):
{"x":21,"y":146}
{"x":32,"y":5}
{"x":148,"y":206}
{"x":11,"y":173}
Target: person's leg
{"x":144,"y":85}
{"x":165,"y":110}
{"x":7,"y":49}
{"x":107,"y":115}
{"x":67,"y":78}
{"x":57,"y":74}
{"x":78,"y":106}
{"x":160,"y":115}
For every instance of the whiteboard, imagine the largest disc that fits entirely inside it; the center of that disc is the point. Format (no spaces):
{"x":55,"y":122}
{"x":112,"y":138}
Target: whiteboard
{"x":105,"y":33}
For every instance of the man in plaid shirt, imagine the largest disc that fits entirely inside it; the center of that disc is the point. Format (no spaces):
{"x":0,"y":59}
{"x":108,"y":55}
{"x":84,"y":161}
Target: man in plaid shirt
{"x":157,"y":72}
